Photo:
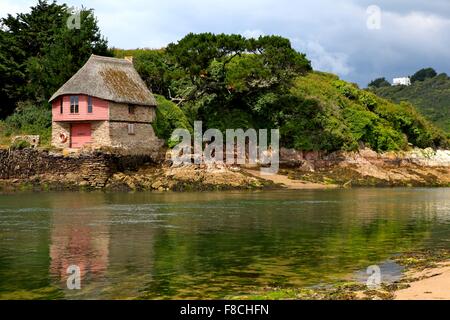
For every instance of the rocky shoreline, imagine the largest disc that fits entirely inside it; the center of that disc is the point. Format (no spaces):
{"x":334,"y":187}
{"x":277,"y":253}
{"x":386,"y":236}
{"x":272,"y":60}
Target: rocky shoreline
{"x":34,"y":170}
{"x":425,"y":276}
{"x":366,"y":168}
{"x":147,"y":178}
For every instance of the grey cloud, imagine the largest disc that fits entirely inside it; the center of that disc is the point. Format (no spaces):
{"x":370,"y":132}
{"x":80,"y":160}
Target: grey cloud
{"x":334,"y":34}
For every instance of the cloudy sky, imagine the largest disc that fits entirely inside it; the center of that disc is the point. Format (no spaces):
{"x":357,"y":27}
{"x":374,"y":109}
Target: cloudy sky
{"x":347,"y":37}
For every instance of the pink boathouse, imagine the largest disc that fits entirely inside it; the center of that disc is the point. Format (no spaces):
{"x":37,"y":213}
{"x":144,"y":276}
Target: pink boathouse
{"x":105,"y":104}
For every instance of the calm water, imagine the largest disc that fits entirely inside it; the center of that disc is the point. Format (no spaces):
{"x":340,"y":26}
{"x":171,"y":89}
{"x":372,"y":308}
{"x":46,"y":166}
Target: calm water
{"x":207,"y":245}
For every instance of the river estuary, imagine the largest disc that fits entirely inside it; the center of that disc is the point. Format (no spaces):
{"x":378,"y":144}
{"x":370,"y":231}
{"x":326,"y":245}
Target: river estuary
{"x":207,"y":245}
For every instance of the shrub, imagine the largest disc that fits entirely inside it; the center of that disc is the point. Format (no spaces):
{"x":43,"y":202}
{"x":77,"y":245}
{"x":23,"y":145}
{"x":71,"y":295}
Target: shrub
{"x":30,"y":119}
{"x":367,"y":99}
{"x":20,"y":145}
{"x":347,"y":89}
{"x":168,"y":118}
{"x":379,"y":83}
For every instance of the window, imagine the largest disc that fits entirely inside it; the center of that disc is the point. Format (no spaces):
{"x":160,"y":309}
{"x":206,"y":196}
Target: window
{"x":61,"y":105}
{"x":89,"y":104}
{"x":131,"y":109}
{"x":131,"y":128}
{"x":74,"y":104}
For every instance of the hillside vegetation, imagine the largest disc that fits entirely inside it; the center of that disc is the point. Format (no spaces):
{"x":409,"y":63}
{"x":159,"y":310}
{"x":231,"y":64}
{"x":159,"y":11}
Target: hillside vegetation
{"x":430,"y":95}
{"x":225,"y":80}
{"x":333,"y":114}
{"x":313,"y":110}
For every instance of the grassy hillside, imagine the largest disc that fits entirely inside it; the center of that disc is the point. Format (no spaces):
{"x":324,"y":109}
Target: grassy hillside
{"x":431,"y":97}
{"x":29,"y":118}
{"x":333,"y":114}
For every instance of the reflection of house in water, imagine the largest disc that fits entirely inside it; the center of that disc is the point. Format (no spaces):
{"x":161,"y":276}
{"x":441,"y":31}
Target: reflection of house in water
{"x":79,"y":237}
{"x":113,"y":246}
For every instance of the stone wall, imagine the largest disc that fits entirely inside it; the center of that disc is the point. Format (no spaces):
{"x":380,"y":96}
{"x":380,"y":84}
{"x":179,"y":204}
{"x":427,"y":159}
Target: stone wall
{"x":59,"y":128}
{"x":100,"y":134}
{"x":95,"y":168}
{"x":143,"y":140}
{"x":32,"y":140}
{"x":119,"y":112}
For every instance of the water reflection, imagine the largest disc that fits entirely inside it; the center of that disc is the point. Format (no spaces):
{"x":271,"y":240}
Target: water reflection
{"x":78,"y":237}
{"x":207,"y":245}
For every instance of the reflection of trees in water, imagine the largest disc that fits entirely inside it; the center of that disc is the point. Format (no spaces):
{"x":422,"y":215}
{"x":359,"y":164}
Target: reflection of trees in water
{"x":131,"y":256}
{"x":228,"y":247}
{"x":24,"y":249}
{"x":210,"y":244}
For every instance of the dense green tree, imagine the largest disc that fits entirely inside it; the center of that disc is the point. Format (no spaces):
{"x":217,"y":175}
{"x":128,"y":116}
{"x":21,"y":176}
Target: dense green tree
{"x":154,"y":67}
{"x":231,"y":78}
{"x":423,"y":74}
{"x":264,"y":63}
{"x":378,"y":83}
{"x":39,"y":52}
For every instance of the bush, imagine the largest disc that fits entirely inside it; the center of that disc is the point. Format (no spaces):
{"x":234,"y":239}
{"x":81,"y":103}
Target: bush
{"x":423,"y":74}
{"x":347,"y":89}
{"x":367,"y":99}
{"x":168,"y":118}
{"x":20,"y":145}
{"x":30,"y":119}
{"x":379,"y":83}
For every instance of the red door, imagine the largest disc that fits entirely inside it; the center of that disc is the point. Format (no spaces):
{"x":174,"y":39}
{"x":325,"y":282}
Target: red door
{"x":80,"y":134}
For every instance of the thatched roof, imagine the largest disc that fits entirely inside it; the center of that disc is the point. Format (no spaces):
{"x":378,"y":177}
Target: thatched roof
{"x":110,"y":79}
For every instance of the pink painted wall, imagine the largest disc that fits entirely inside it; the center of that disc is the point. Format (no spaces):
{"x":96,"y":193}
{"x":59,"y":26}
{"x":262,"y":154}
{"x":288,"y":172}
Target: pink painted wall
{"x":100,"y":109}
{"x":80,"y":134}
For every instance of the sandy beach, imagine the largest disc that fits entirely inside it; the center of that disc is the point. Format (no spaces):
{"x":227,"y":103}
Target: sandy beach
{"x":289,"y":183}
{"x":431,"y":284}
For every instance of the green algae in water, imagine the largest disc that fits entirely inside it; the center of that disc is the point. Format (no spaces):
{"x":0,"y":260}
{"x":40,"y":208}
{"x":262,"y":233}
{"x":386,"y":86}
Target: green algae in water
{"x":209,"y":245}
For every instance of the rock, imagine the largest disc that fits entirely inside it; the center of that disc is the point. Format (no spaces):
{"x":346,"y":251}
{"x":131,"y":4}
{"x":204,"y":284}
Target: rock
{"x":348,"y":184}
{"x":307,"y":166}
{"x":311,"y":155}
{"x":157,"y":185}
{"x":290,"y":155}
{"x":84,"y":184}
{"x":368,"y":154}
{"x":130,"y":183}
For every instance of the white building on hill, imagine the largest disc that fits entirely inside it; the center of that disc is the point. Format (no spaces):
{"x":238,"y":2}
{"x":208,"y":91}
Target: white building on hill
{"x":406,"y":81}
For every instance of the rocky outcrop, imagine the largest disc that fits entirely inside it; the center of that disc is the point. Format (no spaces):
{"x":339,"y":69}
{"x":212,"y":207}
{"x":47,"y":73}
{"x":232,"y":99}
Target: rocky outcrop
{"x":418,"y":167}
{"x":184,"y":178}
{"x":88,"y":170}
{"x":31,"y":169}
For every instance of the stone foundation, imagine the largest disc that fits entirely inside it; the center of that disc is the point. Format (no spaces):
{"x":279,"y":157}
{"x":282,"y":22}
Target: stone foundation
{"x":59,"y":128}
{"x":94,"y":168}
{"x":100,"y":134}
{"x":120,"y":111}
{"x":143,"y":139}
{"x":114,"y":135}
